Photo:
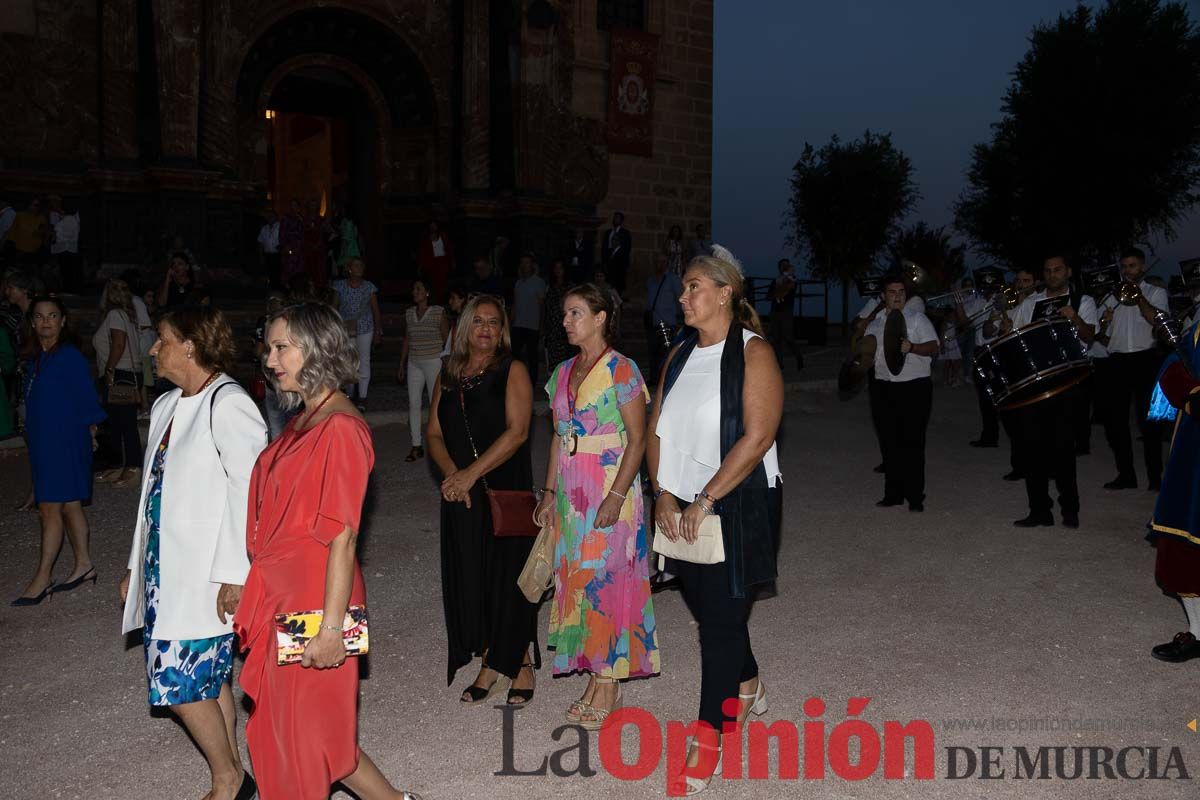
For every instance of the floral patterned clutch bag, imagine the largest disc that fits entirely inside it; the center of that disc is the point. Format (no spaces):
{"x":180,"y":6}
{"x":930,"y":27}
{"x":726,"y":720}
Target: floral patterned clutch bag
{"x":293,"y":630}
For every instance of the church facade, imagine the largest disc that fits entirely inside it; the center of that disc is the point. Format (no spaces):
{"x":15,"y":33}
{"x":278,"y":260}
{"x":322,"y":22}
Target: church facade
{"x":513,"y":118}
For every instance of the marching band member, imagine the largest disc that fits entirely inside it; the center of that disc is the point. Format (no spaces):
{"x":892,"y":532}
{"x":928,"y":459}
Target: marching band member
{"x":907,"y":399}
{"x":1133,"y":364}
{"x":1047,"y":435}
{"x":872,"y":306}
{"x":1175,"y":527}
{"x":973,"y":312}
{"x":1024,"y":282}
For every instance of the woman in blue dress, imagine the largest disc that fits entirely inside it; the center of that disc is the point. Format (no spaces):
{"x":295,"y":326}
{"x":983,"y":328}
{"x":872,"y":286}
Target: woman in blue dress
{"x":62,"y":411}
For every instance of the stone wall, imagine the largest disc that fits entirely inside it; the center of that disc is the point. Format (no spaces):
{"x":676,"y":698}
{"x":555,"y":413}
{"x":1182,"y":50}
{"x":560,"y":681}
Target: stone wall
{"x":674,"y":187}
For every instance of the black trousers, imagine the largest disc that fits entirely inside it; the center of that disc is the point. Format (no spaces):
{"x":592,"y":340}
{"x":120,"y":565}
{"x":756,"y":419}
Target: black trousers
{"x":875,"y":399}
{"x":1081,"y":417}
{"x":905,"y":419}
{"x":272,"y":265}
{"x":726,"y":658}
{"x":123,"y":439}
{"x":1131,"y":378}
{"x":987,"y":413}
{"x":1047,"y":438}
{"x":1011,"y":422}
{"x":525,"y":350}
{"x":782,"y":334}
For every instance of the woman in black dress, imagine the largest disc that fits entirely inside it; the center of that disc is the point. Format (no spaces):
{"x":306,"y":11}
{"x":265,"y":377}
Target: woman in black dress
{"x":480,"y":431}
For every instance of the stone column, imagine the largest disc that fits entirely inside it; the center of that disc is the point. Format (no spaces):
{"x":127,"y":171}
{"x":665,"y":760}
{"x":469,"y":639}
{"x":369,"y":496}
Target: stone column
{"x":177,"y":41}
{"x":218,"y":135}
{"x":120,"y":79}
{"x":475,"y":96}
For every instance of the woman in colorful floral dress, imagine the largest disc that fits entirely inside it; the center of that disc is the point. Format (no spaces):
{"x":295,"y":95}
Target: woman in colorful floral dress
{"x":602,"y":617}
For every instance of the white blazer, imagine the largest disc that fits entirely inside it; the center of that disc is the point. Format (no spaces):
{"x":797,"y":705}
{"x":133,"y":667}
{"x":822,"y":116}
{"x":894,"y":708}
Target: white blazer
{"x":202,"y":527}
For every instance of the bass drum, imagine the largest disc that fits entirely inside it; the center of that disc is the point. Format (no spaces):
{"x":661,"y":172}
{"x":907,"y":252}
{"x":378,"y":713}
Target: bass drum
{"x":1033,"y":364}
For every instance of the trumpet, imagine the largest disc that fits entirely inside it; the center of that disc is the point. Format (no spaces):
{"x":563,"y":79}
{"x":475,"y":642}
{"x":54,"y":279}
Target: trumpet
{"x":1128,"y":293}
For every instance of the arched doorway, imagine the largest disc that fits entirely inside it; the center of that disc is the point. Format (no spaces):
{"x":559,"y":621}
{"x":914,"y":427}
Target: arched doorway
{"x":335,"y":108}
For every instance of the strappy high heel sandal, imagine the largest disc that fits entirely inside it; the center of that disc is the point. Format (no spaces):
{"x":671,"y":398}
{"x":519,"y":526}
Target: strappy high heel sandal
{"x":694,"y":784}
{"x":523,"y":696}
{"x":598,"y":715}
{"x":759,"y":705}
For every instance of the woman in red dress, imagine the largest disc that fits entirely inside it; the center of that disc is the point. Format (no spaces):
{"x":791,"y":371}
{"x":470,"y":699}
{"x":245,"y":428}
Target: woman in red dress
{"x":306,"y":495}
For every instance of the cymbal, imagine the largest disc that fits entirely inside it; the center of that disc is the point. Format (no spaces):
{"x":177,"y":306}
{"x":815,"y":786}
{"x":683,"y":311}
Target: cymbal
{"x":895,"y":330}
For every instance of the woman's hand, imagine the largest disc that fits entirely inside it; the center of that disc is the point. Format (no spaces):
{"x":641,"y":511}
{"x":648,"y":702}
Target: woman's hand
{"x":609,"y":511}
{"x":378,"y":337}
{"x":228,"y":597}
{"x":326,"y":650}
{"x":689,"y":523}
{"x":666,"y":507}
{"x":456,"y":488}
{"x":400,"y":373}
{"x":123,"y":586}
{"x":543,"y":515}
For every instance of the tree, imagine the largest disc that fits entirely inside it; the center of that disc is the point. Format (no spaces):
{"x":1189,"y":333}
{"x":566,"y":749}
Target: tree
{"x":1099,"y":143}
{"x":846,"y":201}
{"x":941,"y":261}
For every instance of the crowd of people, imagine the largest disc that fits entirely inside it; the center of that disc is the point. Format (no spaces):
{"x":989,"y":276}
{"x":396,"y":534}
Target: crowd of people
{"x":224,"y":539}
{"x":1122,"y":330}
{"x":248,"y":541}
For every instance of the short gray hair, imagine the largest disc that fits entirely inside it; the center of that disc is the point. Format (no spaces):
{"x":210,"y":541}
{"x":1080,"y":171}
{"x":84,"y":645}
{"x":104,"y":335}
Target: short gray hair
{"x":330,"y":358}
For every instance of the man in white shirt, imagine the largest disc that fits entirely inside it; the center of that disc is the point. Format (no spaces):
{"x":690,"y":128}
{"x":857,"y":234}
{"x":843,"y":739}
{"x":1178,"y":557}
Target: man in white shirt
{"x":975,"y":312}
{"x":1047,"y":428}
{"x":1133,"y":365}
{"x":1024,"y":282}
{"x":528,"y":293}
{"x":268,"y":249}
{"x":64,"y":244}
{"x":872,"y":306}
{"x":906,"y":399}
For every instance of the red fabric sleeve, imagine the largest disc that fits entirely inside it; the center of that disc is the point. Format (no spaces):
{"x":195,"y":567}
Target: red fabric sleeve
{"x":1177,"y":383}
{"x":346,"y":457}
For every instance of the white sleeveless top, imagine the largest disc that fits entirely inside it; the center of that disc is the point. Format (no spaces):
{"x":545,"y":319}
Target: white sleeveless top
{"x":689,"y":426}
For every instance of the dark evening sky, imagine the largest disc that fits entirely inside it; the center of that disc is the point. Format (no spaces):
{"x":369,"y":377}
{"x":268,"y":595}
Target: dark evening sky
{"x":931,"y":72}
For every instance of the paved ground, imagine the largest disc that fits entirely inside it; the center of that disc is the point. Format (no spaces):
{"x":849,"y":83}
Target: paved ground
{"x":949,"y":615}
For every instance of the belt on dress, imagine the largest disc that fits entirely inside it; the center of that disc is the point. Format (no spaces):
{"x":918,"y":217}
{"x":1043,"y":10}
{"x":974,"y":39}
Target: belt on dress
{"x":574,"y":444}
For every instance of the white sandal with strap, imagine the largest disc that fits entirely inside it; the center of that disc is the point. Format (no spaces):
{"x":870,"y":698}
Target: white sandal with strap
{"x":696,"y":785}
{"x":759,"y":705}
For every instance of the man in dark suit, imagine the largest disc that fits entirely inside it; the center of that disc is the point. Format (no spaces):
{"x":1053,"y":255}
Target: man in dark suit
{"x":614,"y":252}
{"x":580,"y":259}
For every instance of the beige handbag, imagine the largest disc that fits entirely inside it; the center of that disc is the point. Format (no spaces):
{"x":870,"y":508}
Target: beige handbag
{"x":537,"y":576}
{"x":709,"y":547}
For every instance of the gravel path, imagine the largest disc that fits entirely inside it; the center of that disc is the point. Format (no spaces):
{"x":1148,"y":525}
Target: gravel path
{"x":952,"y":614}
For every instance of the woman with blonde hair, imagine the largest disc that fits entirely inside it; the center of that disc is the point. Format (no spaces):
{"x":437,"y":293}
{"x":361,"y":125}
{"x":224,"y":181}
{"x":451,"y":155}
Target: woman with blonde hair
{"x":188,"y":559}
{"x":478,"y":438}
{"x":117,"y":343}
{"x":305,"y":513}
{"x":711,"y":452}
{"x":602,"y":617}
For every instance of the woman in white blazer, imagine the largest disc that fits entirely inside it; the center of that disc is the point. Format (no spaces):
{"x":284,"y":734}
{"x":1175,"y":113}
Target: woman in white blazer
{"x":188,"y":560}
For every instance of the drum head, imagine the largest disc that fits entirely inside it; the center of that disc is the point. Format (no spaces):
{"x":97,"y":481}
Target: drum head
{"x":894,"y":330}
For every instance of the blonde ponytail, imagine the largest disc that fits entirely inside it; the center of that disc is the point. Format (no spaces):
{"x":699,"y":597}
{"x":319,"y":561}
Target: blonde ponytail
{"x":748,"y":317}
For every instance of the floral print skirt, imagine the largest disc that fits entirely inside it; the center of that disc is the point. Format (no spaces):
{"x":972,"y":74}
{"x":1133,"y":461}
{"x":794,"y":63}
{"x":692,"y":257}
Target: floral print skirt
{"x":178,"y":670}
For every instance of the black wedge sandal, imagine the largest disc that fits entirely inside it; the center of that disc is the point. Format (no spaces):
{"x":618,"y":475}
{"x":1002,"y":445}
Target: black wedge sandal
{"x":523,"y":697}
